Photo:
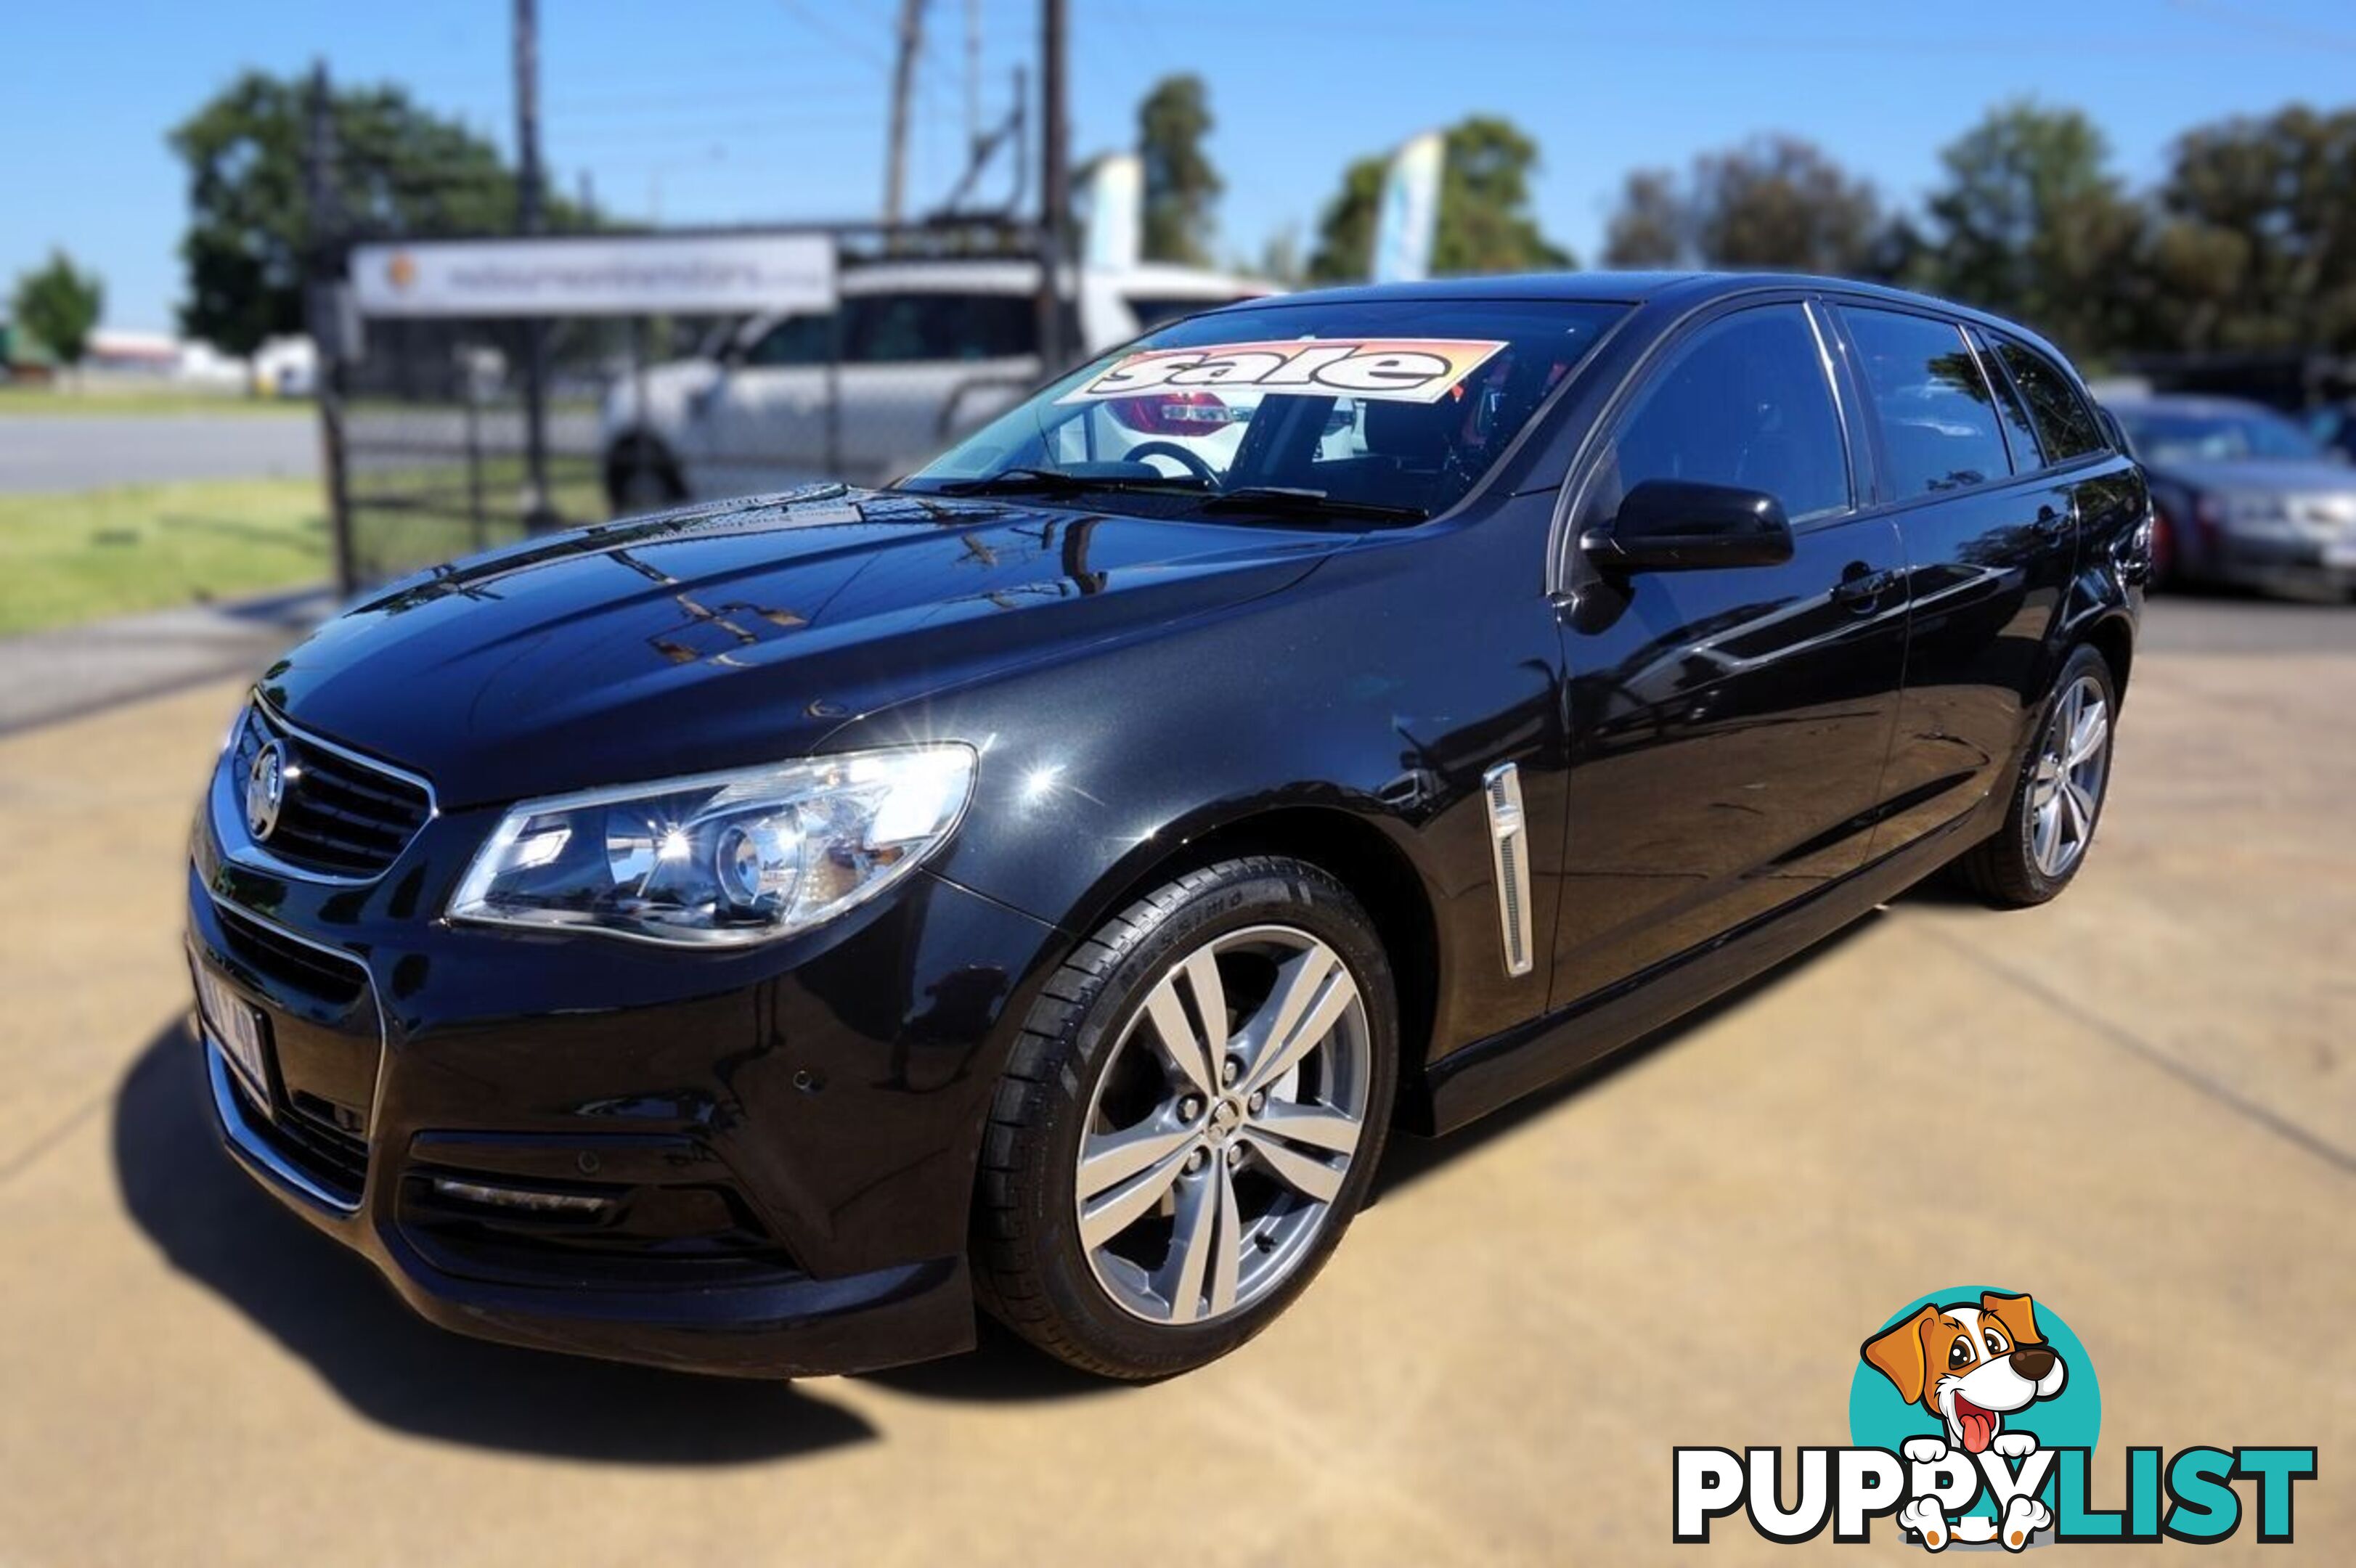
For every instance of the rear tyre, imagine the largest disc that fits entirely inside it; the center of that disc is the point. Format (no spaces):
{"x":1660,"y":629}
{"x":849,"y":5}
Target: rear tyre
{"x":2057,"y":798}
{"x":1190,"y":1119}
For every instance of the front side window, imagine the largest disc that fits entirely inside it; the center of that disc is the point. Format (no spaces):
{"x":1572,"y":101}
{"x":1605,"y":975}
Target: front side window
{"x":2064,"y":422}
{"x":797,"y":340}
{"x":1746,"y":403}
{"x":1935,"y":411}
{"x":1393,"y":408}
{"x":914,"y":329}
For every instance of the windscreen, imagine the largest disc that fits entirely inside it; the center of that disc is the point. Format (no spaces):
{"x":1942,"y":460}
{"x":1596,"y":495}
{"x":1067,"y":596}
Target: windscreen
{"x":1398,"y":406}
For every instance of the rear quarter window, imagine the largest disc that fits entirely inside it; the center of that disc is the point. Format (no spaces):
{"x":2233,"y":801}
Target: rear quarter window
{"x":2065,"y":424}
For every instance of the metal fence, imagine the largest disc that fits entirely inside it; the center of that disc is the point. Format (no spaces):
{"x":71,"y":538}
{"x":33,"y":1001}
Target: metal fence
{"x":935,"y":328}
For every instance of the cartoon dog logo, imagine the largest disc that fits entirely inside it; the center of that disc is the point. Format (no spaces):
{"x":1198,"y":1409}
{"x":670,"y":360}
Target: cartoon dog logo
{"x":1971,"y":1366}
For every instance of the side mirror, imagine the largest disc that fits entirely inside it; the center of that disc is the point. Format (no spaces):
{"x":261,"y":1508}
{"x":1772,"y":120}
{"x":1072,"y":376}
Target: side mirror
{"x":1669,"y":525}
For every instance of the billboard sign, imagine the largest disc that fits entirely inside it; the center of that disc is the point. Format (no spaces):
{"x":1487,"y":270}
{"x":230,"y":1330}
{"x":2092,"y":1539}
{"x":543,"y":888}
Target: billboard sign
{"x":683,"y":275}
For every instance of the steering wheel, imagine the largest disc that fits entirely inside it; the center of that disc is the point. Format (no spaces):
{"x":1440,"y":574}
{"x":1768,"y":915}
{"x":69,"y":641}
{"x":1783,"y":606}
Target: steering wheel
{"x":1191,"y":461}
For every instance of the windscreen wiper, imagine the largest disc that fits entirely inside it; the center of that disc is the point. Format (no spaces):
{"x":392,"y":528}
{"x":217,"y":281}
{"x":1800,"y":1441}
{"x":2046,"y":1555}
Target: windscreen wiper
{"x":1059,"y":482}
{"x":1302,"y":501}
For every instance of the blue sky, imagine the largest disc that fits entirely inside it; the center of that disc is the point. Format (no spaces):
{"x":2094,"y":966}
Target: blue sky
{"x":747,"y":110}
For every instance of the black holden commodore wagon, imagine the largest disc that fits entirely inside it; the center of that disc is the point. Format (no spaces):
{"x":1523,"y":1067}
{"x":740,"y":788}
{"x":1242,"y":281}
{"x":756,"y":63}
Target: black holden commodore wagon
{"x":750,"y":937}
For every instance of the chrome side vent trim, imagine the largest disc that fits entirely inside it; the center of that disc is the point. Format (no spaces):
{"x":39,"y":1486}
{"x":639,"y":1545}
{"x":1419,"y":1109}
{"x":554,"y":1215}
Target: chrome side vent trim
{"x":1509,"y":857}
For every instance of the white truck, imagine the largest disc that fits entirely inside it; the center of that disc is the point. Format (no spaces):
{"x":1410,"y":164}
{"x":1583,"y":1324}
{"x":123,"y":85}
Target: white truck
{"x":914,"y":354}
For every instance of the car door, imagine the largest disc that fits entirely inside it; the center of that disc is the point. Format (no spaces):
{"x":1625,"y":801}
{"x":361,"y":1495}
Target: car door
{"x":1729,"y":726}
{"x":1987,"y":536}
{"x":763,"y":425}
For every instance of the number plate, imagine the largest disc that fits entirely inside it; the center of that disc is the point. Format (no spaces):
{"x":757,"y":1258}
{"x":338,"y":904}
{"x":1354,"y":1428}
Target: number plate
{"x":238,"y":1025}
{"x":2340,"y":553}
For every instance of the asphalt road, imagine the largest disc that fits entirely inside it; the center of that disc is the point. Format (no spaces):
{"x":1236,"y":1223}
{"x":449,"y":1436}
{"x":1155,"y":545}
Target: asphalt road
{"x":43,"y":453}
{"x":2136,"y":1103}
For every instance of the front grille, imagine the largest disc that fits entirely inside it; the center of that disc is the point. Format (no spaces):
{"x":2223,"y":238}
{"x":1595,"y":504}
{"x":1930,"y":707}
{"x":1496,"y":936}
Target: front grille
{"x":341,"y":817}
{"x":294,"y":965}
{"x":335,"y":1160}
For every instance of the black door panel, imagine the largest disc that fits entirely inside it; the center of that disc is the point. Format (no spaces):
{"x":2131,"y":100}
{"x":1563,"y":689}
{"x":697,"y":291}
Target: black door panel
{"x":1728,"y":727}
{"x":1987,"y":574}
{"x":1987,"y":561}
{"x":1728,"y":731}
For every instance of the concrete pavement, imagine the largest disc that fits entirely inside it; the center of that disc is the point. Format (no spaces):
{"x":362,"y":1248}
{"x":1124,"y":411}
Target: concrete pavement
{"x":69,"y":670}
{"x":2135,"y":1103}
{"x":41,"y":452}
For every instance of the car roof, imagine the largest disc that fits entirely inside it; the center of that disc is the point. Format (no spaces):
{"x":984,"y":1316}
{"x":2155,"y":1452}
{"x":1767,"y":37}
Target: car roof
{"x":1690,"y":288}
{"x":2188,"y":403}
{"x":1014,"y":275}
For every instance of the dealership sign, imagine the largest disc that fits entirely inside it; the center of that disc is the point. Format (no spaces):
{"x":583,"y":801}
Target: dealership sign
{"x":721,"y":274}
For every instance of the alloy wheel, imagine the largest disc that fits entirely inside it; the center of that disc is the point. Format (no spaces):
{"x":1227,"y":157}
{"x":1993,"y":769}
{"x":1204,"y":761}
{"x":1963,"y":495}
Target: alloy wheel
{"x":1224,"y":1126}
{"x":2066,"y":791}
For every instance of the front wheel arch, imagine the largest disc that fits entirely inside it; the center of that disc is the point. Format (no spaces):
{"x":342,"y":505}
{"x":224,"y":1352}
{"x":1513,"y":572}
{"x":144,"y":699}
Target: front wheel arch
{"x":1356,"y":853}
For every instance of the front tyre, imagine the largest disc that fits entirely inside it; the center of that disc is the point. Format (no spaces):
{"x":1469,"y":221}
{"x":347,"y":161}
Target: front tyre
{"x":2057,"y":798}
{"x":1191,"y":1117}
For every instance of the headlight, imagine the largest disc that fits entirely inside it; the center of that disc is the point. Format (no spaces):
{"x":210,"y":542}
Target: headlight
{"x":721,"y":859}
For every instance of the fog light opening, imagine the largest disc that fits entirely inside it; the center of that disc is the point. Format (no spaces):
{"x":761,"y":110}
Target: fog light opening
{"x":522,"y":1198}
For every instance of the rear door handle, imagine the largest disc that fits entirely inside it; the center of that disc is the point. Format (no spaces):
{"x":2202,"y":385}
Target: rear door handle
{"x":2051,"y":522}
{"x":1863,"y":591}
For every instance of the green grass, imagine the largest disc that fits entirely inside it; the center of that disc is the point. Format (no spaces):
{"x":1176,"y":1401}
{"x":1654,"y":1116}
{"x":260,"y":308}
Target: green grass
{"x":65,"y":559}
{"x":70,"y":403}
{"x":421,"y":515}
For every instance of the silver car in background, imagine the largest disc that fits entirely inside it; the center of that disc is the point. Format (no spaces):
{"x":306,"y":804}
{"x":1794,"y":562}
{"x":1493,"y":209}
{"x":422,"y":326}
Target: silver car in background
{"x":2243,"y":496}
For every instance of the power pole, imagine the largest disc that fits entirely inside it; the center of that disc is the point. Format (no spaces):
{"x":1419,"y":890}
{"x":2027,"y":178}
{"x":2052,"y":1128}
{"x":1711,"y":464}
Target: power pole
{"x":537,"y":515}
{"x":973,"y":79}
{"x":1054,"y":194}
{"x":904,"y":76}
{"x":324,"y":280}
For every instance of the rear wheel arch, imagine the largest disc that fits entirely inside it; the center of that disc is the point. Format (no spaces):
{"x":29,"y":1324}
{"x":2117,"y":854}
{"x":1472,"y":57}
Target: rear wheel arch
{"x":2113,"y":638}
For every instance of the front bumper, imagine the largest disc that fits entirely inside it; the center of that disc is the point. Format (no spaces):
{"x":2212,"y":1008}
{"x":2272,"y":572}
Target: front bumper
{"x":764,"y":1159}
{"x":2295,"y":565}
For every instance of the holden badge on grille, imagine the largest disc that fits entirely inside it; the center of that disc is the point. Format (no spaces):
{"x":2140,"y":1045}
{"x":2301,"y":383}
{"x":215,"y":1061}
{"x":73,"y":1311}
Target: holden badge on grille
{"x":265,"y":790}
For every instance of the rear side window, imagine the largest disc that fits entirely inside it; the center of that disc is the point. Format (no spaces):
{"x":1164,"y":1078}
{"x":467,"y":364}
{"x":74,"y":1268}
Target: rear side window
{"x":1935,"y":411}
{"x":1744,"y":402}
{"x":2064,"y":422}
{"x":901,"y":329}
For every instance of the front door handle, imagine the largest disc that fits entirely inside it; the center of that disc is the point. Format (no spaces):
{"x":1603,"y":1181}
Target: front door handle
{"x":1860,"y":591}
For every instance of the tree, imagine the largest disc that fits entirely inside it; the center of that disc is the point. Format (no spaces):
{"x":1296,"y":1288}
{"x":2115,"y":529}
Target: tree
{"x":1182,"y":187}
{"x":2030,"y":223}
{"x":400,"y":169}
{"x":1772,"y":201}
{"x":1344,"y":252}
{"x":2256,"y":247}
{"x":60,"y":304}
{"x":1484,"y":198}
{"x":1485,"y":223}
{"x":1778,"y":201}
{"x":1650,"y":227}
